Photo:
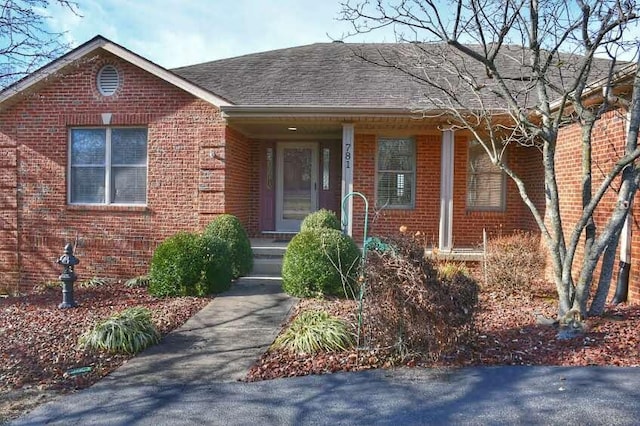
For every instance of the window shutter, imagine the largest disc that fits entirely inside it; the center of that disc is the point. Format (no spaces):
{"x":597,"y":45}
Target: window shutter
{"x":108,"y":80}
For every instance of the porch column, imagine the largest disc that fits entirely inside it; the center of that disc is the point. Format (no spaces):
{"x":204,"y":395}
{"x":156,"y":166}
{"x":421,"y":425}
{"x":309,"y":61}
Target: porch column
{"x":445,"y":242}
{"x":347,"y":176}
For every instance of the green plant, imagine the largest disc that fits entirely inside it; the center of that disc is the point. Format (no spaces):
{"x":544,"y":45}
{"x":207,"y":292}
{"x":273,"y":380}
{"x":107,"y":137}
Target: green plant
{"x":313,"y":331}
{"x":513,"y":262}
{"x":129,"y":331}
{"x":141,"y":281}
{"x":229,"y":229}
{"x":322,"y":218}
{"x":189,"y":264}
{"x":447,"y":270}
{"x":93,"y":282}
{"x":320,"y":262}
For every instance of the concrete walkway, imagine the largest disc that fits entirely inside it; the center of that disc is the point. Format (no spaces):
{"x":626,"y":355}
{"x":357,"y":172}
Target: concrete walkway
{"x":219,"y":343}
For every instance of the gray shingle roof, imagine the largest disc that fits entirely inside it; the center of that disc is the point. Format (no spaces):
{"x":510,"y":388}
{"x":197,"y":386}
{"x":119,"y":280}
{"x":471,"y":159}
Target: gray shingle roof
{"x":334,"y":74}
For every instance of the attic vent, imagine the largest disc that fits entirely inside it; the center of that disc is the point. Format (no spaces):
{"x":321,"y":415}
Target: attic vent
{"x":108,"y":80}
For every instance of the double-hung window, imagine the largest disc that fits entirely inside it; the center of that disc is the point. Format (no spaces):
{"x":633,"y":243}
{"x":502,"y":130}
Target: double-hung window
{"x":108,"y":165}
{"x":396,"y":170}
{"x":485,"y":181}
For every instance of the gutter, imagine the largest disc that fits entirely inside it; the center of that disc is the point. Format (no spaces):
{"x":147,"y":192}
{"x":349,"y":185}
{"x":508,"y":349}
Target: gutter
{"x":302,"y":111}
{"x":598,"y":85}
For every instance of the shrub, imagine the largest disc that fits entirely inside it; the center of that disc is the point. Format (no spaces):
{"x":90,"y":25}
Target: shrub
{"x":128,"y":332}
{"x":514,"y":262}
{"x":188,"y":264}
{"x":322,"y":218}
{"x":409,"y":308}
{"x":229,"y":229}
{"x":314,"y":331}
{"x":320,"y":262}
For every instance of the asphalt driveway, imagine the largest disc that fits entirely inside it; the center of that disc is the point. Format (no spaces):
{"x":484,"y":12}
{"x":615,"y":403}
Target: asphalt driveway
{"x":473,"y":396}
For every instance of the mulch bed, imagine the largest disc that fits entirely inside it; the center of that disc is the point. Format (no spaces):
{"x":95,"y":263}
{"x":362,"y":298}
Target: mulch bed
{"x":39,"y":349}
{"x":39,"y":341}
{"x":507,"y":333}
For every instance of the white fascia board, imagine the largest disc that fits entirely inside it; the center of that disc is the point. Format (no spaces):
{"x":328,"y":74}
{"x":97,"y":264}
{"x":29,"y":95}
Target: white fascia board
{"x":268,"y":111}
{"x":102,"y":43}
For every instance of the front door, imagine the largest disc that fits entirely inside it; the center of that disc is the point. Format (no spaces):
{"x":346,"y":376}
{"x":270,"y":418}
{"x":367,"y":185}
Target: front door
{"x":297,"y":184}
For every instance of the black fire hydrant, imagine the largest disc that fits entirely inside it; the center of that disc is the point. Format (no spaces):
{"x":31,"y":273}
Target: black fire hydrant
{"x":68,"y":277}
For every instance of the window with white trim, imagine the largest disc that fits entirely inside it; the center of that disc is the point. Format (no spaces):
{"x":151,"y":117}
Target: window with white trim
{"x":485,"y":181}
{"x":108,"y":165}
{"x":395,"y":173}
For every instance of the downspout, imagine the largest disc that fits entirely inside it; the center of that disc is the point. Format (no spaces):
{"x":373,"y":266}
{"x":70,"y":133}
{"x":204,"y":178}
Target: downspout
{"x":622,"y":284}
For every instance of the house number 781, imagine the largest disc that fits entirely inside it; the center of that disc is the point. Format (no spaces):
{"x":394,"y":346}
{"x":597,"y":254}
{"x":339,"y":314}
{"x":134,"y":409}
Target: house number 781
{"x":347,"y":156}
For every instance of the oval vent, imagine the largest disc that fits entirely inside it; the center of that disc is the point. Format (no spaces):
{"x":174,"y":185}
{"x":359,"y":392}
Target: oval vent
{"x":108,"y":80}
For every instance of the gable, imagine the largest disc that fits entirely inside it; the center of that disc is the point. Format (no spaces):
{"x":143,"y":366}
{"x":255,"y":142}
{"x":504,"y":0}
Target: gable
{"x":86,"y":52}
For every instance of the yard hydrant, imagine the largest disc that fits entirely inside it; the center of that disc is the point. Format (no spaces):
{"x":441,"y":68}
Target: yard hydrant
{"x":68,"y":277}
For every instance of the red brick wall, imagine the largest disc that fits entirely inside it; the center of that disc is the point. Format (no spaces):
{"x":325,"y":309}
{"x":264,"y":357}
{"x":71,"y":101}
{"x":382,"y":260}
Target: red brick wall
{"x":425,"y":217}
{"x":608,"y":145}
{"x":468,"y":224}
{"x":112,"y":241}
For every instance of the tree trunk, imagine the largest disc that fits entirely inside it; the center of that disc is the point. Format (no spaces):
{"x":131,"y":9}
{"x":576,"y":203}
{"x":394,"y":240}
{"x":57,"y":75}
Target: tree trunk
{"x":604,"y":282}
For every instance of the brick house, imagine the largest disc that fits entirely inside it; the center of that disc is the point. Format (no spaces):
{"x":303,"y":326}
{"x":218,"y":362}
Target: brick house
{"x":115,"y":153}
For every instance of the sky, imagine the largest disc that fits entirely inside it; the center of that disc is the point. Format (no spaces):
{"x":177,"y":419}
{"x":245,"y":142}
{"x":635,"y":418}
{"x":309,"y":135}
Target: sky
{"x":173,"y":33}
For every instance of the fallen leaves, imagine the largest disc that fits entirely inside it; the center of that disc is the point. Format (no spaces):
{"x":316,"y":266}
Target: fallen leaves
{"x":508,"y":332}
{"x":39,"y":340}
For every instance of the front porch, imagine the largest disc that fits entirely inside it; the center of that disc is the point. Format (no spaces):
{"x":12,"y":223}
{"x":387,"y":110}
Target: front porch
{"x":302,"y":161}
{"x":269,"y":252}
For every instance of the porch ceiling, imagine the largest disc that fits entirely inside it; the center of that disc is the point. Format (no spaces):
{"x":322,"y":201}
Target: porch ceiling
{"x":329,"y":127}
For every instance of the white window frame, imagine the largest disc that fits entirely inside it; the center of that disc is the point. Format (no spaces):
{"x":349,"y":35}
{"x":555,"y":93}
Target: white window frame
{"x":107,"y":166}
{"x":412,"y":203}
{"x":503,"y":187}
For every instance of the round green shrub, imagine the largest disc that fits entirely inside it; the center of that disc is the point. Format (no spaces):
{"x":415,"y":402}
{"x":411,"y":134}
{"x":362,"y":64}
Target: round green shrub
{"x":189,"y":264}
{"x":320,"y":219}
{"x":229,"y":229}
{"x":316,"y":262}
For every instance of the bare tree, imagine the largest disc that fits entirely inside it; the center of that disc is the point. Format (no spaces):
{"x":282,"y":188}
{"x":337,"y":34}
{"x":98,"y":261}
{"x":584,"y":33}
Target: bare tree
{"x":26,"y":43}
{"x":514,"y":72}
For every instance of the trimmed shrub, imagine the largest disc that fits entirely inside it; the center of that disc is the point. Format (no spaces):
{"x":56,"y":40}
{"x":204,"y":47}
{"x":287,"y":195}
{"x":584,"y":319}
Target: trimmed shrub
{"x":188,"y":264}
{"x":408,"y":307}
{"x":229,"y":229}
{"x":514,"y":262}
{"x":129,"y":332}
{"x":322,"y":218}
{"x":314,"y":331}
{"x":320,"y":262}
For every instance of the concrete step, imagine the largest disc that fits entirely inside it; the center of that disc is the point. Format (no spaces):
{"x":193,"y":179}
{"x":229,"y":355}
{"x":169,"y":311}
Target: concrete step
{"x":268,"y":251}
{"x":264,"y":266}
{"x":267,"y":257}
